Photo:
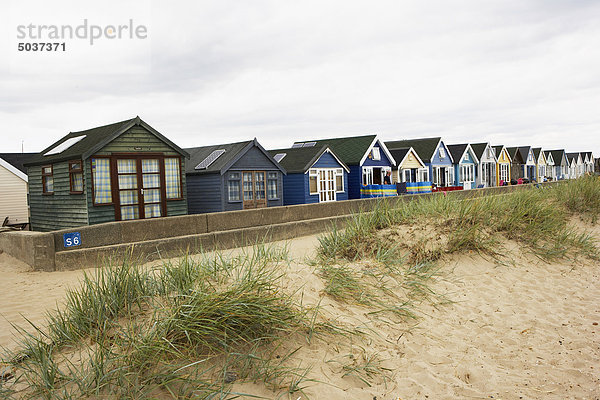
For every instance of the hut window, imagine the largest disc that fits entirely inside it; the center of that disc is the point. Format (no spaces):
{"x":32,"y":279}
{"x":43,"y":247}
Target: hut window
{"x":47,"y":179}
{"x":101,"y":180}
{"x":367,"y":178}
{"x":376,"y":154}
{"x":272,"y":186}
{"x":339,"y":180}
{"x":173,"y":178}
{"x":423,"y":175}
{"x":442,"y":153}
{"x":312,"y":181}
{"x":233,"y":186}
{"x":76,"y":177}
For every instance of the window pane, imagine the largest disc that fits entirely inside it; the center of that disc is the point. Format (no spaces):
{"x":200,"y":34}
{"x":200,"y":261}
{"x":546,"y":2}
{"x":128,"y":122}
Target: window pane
{"x":312,"y":182}
{"x":234,"y":175}
{"x":101,"y":178}
{"x":234,"y":190}
{"x":152,"y":210}
{"x":248,"y":192}
{"x":126,"y":166}
{"x":149,"y":166}
{"x":151,"y":195}
{"x":49,"y":184}
{"x":75,"y":165}
{"x":339,"y":183}
{"x":173,"y":178}
{"x":272,"y":186}
{"x":77,"y":181}
{"x":260,"y":185}
{"x":150,"y":181}
{"x":127,"y":181}
{"x":130,"y":212}
{"x":128,"y":197}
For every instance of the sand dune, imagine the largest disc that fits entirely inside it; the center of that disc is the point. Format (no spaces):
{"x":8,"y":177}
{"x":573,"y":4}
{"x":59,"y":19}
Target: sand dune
{"x":527,"y":330}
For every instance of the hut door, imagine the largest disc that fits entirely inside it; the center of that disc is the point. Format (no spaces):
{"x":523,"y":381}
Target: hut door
{"x":140,"y":192}
{"x":326,"y":185}
{"x":255,"y":189}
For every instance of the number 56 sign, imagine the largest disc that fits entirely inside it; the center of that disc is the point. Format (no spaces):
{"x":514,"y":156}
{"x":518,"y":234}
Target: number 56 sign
{"x":72,"y":239}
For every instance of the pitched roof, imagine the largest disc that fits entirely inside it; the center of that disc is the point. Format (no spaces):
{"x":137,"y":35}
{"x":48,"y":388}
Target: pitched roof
{"x":349,"y":149}
{"x":457,"y":151}
{"x":232,"y":153}
{"x":17,"y":160}
{"x":571,"y":156}
{"x":400,"y":154}
{"x":300,"y":159}
{"x":557,"y":155}
{"x":515,"y":155}
{"x":536,"y":153}
{"x":92,"y":140}
{"x":425,"y":147}
{"x":524,"y":152}
{"x":479,"y":148}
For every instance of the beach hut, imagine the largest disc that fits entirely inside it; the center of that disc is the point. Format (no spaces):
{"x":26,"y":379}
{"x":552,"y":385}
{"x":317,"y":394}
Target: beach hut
{"x":368,"y":159}
{"x":314,"y":175}
{"x":573,"y":160}
{"x":486,"y":168}
{"x":561,"y":164}
{"x":232,"y":176}
{"x":550,"y":171}
{"x":410,"y":168}
{"x":465,"y":165}
{"x":122,"y":171}
{"x":588,"y":161}
{"x":502,"y":165}
{"x":540,"y":164}
{"x":434,"y":154}
{"x":13,"y":188}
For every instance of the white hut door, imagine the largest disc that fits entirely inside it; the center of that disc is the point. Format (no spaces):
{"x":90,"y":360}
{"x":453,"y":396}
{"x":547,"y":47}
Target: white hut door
{"x":326,"y":185}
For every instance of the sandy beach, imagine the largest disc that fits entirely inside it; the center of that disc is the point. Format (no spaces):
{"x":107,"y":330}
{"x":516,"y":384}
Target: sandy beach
{"x":524,"y":330}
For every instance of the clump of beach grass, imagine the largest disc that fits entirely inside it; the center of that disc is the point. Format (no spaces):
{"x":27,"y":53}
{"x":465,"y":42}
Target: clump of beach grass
{"x":188,"y":328}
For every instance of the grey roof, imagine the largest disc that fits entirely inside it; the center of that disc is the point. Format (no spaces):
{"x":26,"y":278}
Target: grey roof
{"x":399,"y":154}
{"x":457,"y":151}
{"x":515,"y":155}
{"x":425,"y":147}
{"x":478,"y":149}
{"x":559,"y":156}
{"x":536,"y":153}
{"x":94,"y":140}
{"x":571,"y":156}
{"x":233,"y":152}
{"x":17,"y":160}
{"x":300,"y":159}
{"x":524,"y":152}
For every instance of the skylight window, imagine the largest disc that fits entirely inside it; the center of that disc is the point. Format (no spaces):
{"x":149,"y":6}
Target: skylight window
{"x":296,"y":145}
{"x":212,"y":157}
{"x":279,"y":156}
{"x":309,"y":144}
{"x":64,"y":145}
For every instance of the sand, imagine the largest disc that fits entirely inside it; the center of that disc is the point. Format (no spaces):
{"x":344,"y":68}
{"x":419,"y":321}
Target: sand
{"x":527,"y":330}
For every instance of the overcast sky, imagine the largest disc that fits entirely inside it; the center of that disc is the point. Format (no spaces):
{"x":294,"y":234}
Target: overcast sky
{"x":509,"y":72}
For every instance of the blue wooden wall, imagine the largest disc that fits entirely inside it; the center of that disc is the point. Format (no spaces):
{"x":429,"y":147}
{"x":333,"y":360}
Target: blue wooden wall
{"x":204,"y":193}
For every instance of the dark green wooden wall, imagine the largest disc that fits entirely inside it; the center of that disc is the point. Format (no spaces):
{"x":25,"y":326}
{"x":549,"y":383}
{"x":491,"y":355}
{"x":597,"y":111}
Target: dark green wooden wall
{"x":58,"y":211}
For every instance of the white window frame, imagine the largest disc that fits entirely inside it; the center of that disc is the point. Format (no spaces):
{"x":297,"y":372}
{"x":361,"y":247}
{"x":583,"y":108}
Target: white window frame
{"x":376,"y":153}
{"x":368,"y":173}
{"x":504,"y":172}
{"x":339,"y":172}
{"x":313,"y":173}
{"x":423,"y":172}
{"x":442,"y":153}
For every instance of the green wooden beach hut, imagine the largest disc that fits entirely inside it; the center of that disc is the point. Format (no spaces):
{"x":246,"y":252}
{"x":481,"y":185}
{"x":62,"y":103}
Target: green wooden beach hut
{"x":122,"y":171}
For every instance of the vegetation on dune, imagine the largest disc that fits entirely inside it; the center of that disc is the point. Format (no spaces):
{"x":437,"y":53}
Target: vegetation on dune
{"x":192,"y":328}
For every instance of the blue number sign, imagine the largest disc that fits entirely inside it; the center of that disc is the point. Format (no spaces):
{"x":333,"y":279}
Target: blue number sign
{"x":72,"y":239}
